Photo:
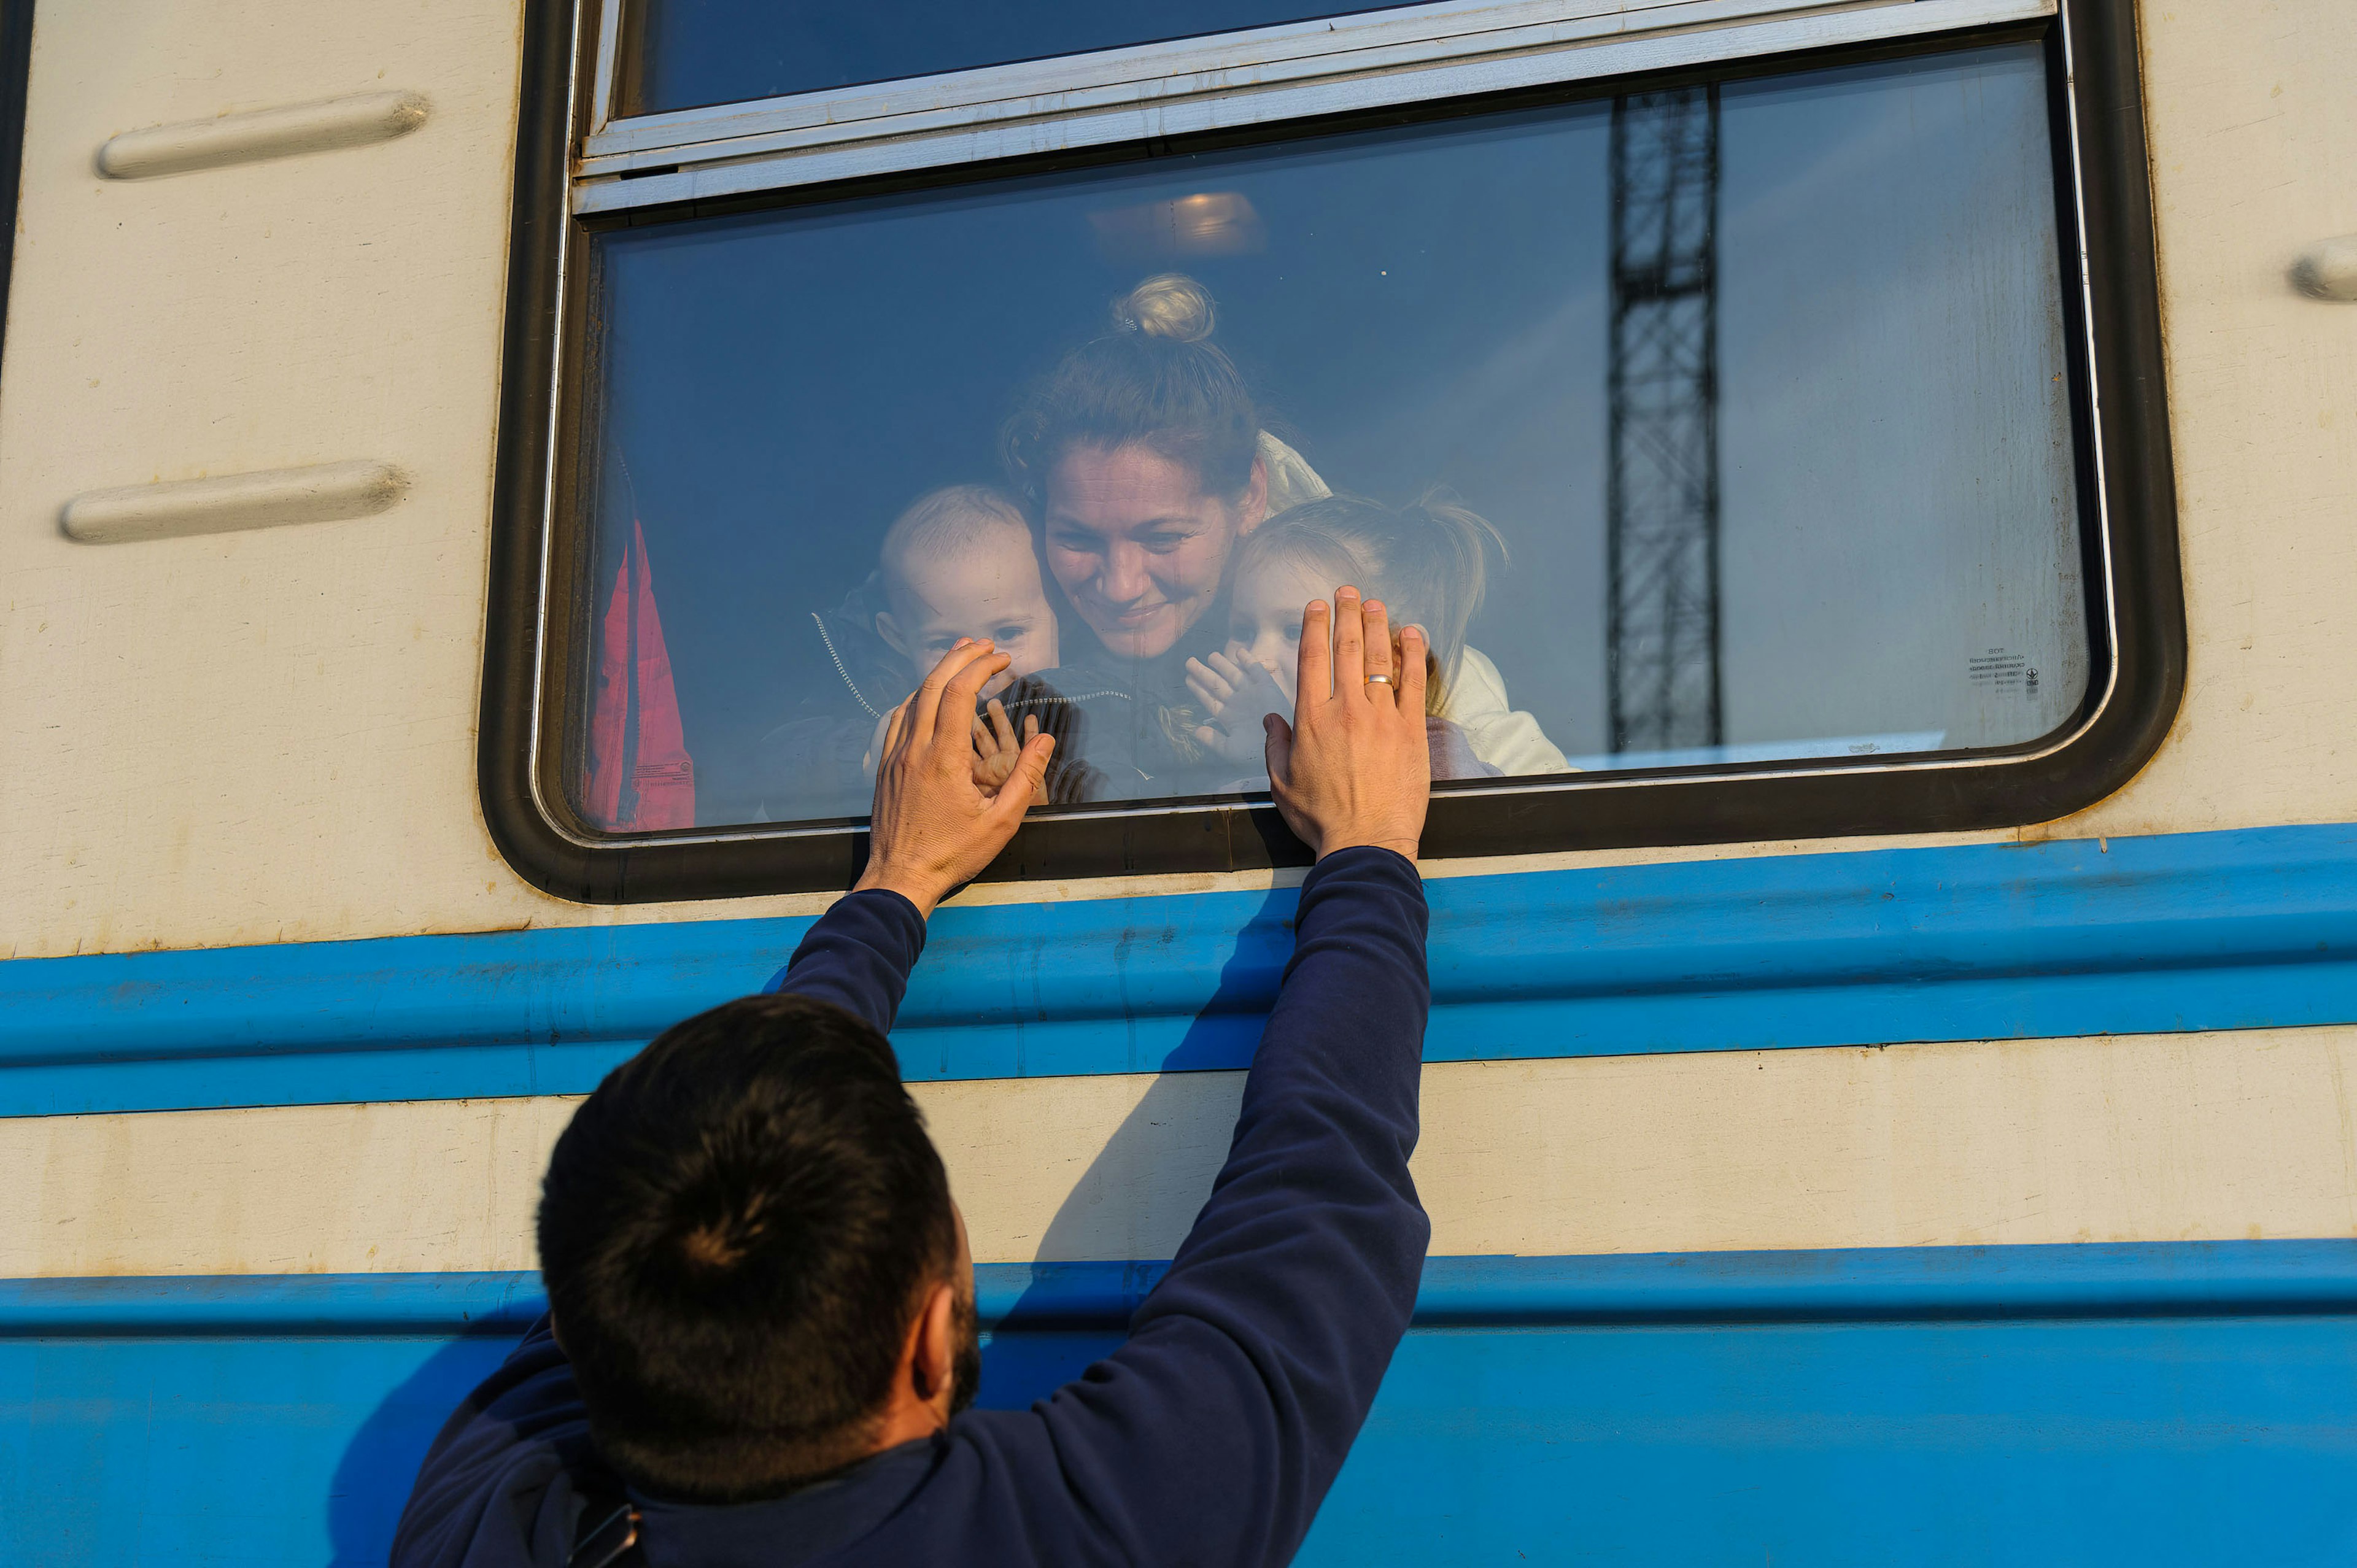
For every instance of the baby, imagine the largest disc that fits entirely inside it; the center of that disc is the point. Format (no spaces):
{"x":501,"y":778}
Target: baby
{"x":959,"y":562}
{"x":1427,"y":563}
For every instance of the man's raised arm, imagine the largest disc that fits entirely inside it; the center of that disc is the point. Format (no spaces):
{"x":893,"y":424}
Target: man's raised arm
{"x":933,"y":829}
{"x":500,"y":1486}
{"x":1213,"y":1434}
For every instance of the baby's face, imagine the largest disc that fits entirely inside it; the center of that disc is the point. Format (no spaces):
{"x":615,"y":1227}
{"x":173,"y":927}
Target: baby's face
{"x":1264,"y":616}
{"x":990,"y":589}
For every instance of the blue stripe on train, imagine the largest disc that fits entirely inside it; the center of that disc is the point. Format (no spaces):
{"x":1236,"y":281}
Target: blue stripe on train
{"x":2140,"y":1278}
{"x":2224,"y":930}
{"x":2161,"y":1404}
{"x":2219,"y":930}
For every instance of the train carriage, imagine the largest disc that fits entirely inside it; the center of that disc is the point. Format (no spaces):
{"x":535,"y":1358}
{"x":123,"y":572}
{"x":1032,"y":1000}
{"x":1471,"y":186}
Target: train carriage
{"x":1890,"y":1091}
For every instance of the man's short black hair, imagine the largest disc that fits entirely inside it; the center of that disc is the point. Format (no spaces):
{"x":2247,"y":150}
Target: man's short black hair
{"x":735,"y":1231}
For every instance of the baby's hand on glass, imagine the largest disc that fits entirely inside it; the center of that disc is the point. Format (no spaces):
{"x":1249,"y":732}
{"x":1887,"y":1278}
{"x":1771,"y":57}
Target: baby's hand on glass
{"x":1237,"y":693}
{"x":997,"y":749}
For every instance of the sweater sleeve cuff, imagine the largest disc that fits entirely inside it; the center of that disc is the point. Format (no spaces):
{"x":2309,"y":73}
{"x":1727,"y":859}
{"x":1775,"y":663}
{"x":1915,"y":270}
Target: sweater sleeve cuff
{"x":1367,"y":862}
{"x":895,"y":907}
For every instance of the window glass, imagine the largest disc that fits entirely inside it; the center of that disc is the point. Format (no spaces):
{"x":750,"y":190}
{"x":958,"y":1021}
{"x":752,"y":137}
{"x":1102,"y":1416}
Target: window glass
{"x":685,"y":54}
{"x":1681,"y":468}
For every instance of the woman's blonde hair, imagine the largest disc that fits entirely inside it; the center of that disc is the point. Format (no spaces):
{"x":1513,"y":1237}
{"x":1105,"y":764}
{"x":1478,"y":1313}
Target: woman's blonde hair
{"x":1427,"y":561}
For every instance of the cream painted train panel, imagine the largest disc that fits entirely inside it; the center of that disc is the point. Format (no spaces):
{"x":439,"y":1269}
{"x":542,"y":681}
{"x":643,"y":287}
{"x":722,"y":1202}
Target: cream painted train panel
{"x":269,"y":736}
{"x":2140,"y":1139}
{"x":266,"y":735}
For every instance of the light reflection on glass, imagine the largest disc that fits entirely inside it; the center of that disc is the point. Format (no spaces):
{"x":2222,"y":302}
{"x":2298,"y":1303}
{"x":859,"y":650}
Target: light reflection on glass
{"x":1208,"y":223}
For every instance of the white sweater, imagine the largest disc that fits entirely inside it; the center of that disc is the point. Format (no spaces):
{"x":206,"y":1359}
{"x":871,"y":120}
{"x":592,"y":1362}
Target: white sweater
{"x":1505,"y":737}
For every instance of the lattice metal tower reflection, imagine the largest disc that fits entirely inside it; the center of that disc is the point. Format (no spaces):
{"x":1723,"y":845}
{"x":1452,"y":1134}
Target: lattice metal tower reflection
{"x":1662,"y":495}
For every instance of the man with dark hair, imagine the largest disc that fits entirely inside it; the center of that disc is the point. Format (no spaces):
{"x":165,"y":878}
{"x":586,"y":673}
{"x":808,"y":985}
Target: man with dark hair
{"x":761,"y":1343}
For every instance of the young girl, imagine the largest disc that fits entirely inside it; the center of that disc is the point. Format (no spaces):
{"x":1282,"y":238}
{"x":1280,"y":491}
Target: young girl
{"x":1429,"y":564}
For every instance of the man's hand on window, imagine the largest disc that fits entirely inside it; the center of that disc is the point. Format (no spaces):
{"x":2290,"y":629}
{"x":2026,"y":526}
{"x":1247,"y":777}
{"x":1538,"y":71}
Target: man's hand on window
{"x":1353,"y":767}
{"x":935,"y":826}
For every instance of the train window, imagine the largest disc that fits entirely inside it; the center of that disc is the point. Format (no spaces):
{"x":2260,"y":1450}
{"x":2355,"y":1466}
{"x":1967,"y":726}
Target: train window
{"x":1732,"y":431}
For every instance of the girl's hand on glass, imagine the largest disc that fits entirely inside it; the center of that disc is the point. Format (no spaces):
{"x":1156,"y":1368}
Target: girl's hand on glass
{"x":1239,"y":694}
{"x":1211,"y":688}
{"x":998,"y":751}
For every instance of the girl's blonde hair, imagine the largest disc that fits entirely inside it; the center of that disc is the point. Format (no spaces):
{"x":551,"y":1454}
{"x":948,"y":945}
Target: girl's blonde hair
{"x":1429,"y":563}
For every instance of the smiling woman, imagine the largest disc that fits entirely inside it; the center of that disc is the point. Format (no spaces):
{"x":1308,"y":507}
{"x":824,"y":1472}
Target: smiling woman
{"x":1139,"y":544}
{"x":1140,"y":453}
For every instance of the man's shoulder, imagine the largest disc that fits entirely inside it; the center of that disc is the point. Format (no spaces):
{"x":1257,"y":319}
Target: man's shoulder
{"x":500,"y":1463}
{"x":999,"y":1495}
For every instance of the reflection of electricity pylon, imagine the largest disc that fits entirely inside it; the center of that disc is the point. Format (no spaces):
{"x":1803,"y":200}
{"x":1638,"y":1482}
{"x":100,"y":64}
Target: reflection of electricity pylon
{"x":1662,"y":496}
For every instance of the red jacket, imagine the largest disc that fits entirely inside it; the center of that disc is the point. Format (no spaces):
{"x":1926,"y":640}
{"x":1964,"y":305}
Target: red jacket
{"x":640,"y":776}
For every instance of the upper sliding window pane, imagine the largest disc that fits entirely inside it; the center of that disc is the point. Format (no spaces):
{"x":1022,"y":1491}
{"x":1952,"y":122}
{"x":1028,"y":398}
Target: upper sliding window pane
{"x":1709,"y":426}
{"x":685,"y":54}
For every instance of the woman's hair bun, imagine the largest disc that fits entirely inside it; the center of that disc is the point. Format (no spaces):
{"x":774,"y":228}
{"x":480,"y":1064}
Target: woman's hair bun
{"x":1153,"y":378}
{"x":1170,"y":305}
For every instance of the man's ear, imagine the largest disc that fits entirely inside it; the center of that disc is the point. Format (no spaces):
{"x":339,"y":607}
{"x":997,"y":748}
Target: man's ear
{"x":933,"y":1365}
{"x":889,"y":631}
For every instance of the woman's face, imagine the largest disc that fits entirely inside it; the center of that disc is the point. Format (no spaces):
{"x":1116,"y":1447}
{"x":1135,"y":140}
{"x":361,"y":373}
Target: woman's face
{"x":1140,"y":550}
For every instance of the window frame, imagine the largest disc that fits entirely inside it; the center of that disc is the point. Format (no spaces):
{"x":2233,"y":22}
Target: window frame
{"x":578,"y":170}
{"x":1289,"y":71}
{"x":16,"y":83}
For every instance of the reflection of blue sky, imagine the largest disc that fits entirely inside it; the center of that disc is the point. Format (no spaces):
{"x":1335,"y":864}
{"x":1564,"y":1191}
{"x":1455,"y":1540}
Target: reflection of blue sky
{"x":1894,"y":441}
{"x":1426,"y":307}
{"x":721,"y":51}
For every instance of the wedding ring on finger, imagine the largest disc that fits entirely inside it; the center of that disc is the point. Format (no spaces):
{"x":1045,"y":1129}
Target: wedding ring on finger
{"x":1379,"y":679}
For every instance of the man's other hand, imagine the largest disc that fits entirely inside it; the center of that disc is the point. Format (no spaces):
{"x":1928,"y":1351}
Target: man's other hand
{"x":935,"y":827}
{"x":1353,"y":767}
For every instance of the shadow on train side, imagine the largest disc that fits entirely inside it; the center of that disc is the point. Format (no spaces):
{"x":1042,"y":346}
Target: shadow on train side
{"x":2188,"y":1432}
{"x":1063,"y":1320}
{"x":372,"y":1478}
{"x":2147,"y":1422}
{"x":1068,"y":1315}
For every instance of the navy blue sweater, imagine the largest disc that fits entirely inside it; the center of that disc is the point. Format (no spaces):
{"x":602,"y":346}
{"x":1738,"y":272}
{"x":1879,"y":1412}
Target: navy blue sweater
{"x":1210,"y":1437}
